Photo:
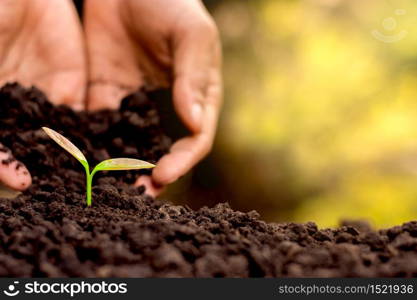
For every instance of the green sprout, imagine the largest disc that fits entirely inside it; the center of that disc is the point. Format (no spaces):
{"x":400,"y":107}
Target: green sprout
{"x":113,"y":164}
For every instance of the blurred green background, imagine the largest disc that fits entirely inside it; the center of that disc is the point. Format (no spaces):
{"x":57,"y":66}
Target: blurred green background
{"x":320,"y":114}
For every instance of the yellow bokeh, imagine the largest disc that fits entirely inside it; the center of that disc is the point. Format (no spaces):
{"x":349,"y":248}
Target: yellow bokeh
{"x":322,"y":112}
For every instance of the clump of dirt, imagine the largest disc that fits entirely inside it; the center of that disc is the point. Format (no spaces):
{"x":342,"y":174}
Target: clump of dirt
{"x":48,"y":231}
{"x":132,"y":131}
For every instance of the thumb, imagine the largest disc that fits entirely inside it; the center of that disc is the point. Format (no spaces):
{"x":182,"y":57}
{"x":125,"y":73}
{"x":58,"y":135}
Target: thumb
{"x":13,"y":173}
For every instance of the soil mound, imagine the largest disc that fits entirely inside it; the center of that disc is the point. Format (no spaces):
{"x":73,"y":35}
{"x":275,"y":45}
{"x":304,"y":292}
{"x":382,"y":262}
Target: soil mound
{"x":48,"y":231}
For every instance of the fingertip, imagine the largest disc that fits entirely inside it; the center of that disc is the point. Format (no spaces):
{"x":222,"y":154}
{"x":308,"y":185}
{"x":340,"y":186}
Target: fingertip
{"x":163,"y":177}
{"x":166,"y":172}
{"x":15,"y":176}
{"x":151,"y":188}
{"x":173,"y":165}
{"x":104,"y":96}
{"x":23,"y":183}
{"x":77,"y":106}
{"x":23,"y":178}
{"x":72,"y":93}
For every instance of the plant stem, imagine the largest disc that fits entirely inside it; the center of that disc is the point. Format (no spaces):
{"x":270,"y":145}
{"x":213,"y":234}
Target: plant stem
{"x":89,"y":179}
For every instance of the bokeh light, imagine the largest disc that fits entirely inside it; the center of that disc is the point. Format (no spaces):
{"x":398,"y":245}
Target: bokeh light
{"x":320,"y":116}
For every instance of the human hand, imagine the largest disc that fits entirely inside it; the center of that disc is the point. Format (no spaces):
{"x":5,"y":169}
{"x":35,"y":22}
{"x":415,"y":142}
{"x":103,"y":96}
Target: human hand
{"x":41,"y":44}
{"x":158,"y":43}
{"x":13,"y":173}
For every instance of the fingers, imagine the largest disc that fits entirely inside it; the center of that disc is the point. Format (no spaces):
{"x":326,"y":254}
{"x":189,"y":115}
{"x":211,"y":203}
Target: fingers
{"x":188,"y":103}
{"x":66,"y":88}
{"x":113,"y":71}
{"x":156,"y":44}
{"x":187,"y":152}
{"x":44,"y":48}
{"x":102,"y":95}
{"x":197,"y":63}
{"x":197,"y":98}
{"x":151,"y":188}
{"x":12,"y":172}
{"x":61,"y":70}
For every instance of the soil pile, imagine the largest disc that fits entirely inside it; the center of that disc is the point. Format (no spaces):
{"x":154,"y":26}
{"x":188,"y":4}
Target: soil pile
{"x":48,"y":230}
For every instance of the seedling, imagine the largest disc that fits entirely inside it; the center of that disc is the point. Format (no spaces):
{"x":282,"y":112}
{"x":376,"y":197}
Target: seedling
{"x":113,"y":164}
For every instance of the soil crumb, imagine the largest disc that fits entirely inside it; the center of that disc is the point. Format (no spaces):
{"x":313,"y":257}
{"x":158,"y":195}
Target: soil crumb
{"x":48,"y":231}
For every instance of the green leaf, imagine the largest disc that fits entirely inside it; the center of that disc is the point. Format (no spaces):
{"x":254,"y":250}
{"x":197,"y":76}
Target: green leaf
{"x":122,"y":164}
{"x":66,"y":144}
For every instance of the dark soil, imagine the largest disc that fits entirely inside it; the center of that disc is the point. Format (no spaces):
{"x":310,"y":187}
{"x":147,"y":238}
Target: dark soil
{"x":49,"y":231}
